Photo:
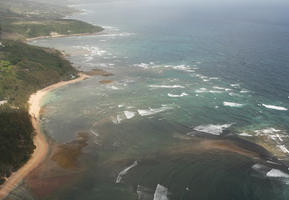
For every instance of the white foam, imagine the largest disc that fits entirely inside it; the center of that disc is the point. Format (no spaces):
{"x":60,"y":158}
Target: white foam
{"x":161,"y":193}
{"x":94,"y":133}
{"x":245,"y":134}
{"x":129,"y":114}
{"x":232,"y":94}
{"x":118,"y":119}
{"x":221,"y":88}
{"x":3,"y":102}
{"x":266,"y":131}
{"x":215,"y":129}
{"x":275,"y":107}
{"x":276,"y":173}
{"x":185,"y":68}
{"x":176,"y":95}
{"x":244,"y":91}
{"x":258,"y":167}
{"x":205,"y":90}
{"x":114,"y":88}
{"x":235,"y":85}
{"x":152,"y":111}
{"x":232,"y":104}
{"x":283,"y":148}
{"x":166,"y":86}
{"x":124,"y":172}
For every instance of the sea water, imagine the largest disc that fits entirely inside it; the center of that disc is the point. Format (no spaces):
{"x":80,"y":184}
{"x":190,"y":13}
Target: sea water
{"x":185,"y":72}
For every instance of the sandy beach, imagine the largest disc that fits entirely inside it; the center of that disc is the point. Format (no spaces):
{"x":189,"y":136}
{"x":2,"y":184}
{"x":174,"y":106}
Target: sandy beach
{"x":42,"y":147}
{"x":63,"y":35}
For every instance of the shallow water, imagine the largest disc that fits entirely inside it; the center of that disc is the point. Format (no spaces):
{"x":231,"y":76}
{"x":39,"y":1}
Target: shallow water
{"x":184,"y":74}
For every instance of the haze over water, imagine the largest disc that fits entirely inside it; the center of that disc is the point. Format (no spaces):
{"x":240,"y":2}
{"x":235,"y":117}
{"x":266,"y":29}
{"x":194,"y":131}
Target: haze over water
{"x":190,"y":78}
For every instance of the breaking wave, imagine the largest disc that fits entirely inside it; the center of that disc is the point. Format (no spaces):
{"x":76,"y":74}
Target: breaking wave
{"x":214,"y":129}
{"x":161,"y":193}
{"x":166,"y":86}
{"x":232,"y":104}
{"x":124,"y":172}
{"x":152,"y":111}
{"x":275,"y":107}
{"x":176,"y":95}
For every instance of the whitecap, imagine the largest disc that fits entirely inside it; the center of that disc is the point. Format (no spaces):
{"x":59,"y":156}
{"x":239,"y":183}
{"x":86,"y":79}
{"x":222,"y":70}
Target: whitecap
{"x":232,"y":104}
{"x":129,"y":114}
{"x":161,"y":193}
{"x":3,"y":102}
{"x":245,"y":134}
{"x":276,"y":173}
{"x":244,"y":91}
{"x":94,"y":133}
{"x":232,"y":94}
{"x":177,"y":95}
{"x":266,"y":131}
{"x":235,"y":85}
{"x":221,"y":88}
{"x":275,"y":107}
{"x":205,"y":90}
{"x":283,"y":148}
{"x":118,"y":119}
{"x":215,"y":129}
{"x":152,"y":111}
{"x":166,"y":86}
{"x":185,"y":68}
{"x":114,"y":88}
{"x":124,"y":172}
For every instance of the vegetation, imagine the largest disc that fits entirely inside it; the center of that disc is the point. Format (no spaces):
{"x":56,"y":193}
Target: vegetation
{"x":20,"y":19}
{"x":24,"y":69}
{"x":16,"y":142}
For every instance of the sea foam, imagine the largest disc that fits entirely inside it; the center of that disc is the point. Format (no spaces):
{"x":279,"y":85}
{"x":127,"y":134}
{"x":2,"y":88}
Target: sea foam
{"x":176,"y":95}
{"x":275,"y":107}
{"x":214,"y":129}
{"x":161,"y":193}
{"x":276,"y":173}
{"x":152,"y":111}
{"x":124,"y":172}
{"x":232,"y":104}
{"x":129,"y":114}
{"x":283,"y":148}
{"x":166,"y":86}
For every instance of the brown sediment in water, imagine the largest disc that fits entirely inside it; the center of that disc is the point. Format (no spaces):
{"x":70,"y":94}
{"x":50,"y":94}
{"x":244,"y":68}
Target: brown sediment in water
{"x":98,"y":72}
{"x":239,"y":146}
{"x":106,"y":81}
{"x":39,"y":139}
{"x":225,"y":145}
{"x":60,"y":170}
{"x":67,"y":155}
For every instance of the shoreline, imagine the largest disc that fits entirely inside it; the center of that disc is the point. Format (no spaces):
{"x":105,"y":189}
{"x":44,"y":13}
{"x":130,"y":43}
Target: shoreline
{"x":39,"y":139}
{"x":63,"y":35}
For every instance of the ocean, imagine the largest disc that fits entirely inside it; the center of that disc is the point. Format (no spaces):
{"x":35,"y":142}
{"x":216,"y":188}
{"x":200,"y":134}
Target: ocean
{"x":197,"y":107}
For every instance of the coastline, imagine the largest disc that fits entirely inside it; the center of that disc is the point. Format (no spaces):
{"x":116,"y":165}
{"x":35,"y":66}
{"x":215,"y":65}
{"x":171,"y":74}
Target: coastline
{"x":62,"y":35}
{"x":39,"y":139}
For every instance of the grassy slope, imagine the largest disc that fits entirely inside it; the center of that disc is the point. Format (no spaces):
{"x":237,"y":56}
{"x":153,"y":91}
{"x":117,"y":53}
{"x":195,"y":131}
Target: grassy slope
{"x":20,"y":19}
{"x":25,"y":69}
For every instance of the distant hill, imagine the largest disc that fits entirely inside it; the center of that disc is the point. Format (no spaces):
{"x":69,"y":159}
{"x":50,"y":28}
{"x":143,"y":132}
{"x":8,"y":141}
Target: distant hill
{"x":21,"y":19}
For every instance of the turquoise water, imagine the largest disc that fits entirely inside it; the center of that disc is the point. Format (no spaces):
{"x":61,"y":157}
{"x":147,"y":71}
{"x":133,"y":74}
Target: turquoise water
{"x":184,"y":74}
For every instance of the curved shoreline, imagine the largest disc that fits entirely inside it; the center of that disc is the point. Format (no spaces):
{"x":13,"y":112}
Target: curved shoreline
{"x":63,"y":35}
{"x":39,"y":139}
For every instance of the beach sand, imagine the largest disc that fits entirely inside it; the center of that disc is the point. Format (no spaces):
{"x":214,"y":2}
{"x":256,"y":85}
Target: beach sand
{"x":42,"y":147}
